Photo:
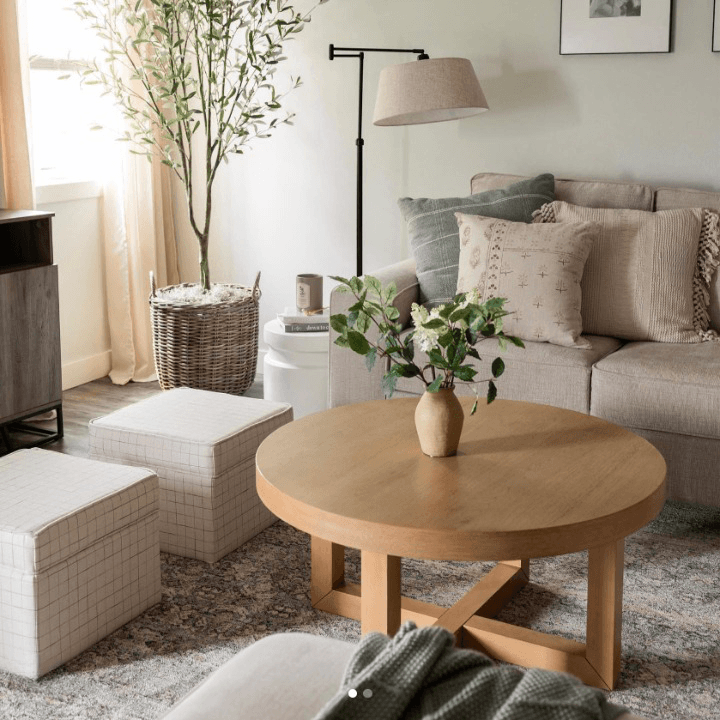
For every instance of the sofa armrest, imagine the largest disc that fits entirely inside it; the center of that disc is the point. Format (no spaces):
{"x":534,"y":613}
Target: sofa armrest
{"x":350,"y":381}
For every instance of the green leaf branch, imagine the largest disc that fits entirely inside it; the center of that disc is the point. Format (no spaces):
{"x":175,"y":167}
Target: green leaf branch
{"x":194,"y":80}
{"x":447,"y":334}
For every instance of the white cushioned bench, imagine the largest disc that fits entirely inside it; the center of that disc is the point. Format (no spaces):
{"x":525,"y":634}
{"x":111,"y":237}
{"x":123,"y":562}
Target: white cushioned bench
{"x":202,"y":446}
{"x":282,"y":677}
{"x":79,"y":555}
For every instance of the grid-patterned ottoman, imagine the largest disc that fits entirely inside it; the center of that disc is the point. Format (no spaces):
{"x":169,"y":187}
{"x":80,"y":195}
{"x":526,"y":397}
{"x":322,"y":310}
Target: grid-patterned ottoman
{"x":202,"y":446}
{"x":79,"y":555}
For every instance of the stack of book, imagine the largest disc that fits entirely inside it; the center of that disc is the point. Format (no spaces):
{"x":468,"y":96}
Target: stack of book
{"x":293,"y":321}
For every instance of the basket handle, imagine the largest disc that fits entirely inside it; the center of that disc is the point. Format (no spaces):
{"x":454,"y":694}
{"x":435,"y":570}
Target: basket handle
{"x":256,"y":293}
{"x":152,"y":284}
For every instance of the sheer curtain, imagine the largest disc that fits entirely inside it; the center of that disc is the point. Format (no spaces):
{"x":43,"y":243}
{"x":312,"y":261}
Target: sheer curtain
{"x":16,"y":187}
{"x":138,"y":230}
{"x":139,"y":237}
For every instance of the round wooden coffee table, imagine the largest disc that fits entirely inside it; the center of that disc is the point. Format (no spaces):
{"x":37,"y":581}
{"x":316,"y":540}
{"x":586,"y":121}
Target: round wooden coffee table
{"x":528,"y":481}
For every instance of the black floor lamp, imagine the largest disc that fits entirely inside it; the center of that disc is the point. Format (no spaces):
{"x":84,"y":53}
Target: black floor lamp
{"x":425,"y":91}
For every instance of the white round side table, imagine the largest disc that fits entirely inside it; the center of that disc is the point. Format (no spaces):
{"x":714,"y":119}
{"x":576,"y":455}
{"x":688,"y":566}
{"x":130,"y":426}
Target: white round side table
{"x":295,"y":369}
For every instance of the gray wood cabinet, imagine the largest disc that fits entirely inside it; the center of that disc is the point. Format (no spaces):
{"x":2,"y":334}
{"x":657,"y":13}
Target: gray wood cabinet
{"x":30,"y":368}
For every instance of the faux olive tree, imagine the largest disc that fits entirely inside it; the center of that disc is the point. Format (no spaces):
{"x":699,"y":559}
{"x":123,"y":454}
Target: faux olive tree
{"x":194,"y":81}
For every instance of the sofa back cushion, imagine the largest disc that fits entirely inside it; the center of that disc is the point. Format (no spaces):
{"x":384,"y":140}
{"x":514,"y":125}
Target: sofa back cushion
{"x":580,"y":192}
{"x":433,"y":229}
{"x":641,"y":280}
{"x":672,"y":198}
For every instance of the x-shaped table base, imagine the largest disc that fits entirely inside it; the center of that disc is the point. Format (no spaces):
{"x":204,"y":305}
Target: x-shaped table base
{"x":380,"y":607}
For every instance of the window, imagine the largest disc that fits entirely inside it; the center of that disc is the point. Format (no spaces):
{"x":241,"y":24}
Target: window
{"x":65,"y":149}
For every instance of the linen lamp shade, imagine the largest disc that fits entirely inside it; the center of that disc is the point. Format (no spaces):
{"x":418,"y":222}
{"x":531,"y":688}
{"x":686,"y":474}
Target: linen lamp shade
{"x":427,"y":91}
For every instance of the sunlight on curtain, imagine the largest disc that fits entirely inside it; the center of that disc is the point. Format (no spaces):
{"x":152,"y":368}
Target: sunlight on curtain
{"x":139,"y":234}
{"x":16,"y":186}
{"x":139,"y":237}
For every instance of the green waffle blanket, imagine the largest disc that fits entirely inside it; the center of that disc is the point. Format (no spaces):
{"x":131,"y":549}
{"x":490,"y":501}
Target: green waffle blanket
{"x":420,"y":674}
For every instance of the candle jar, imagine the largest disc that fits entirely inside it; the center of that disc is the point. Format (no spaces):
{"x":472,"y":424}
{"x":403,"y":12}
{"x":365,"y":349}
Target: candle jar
{"x":309,"y":293}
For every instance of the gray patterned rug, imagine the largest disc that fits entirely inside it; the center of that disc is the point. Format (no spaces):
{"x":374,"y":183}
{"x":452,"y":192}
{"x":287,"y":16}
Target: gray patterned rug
{"x":671,"y":632}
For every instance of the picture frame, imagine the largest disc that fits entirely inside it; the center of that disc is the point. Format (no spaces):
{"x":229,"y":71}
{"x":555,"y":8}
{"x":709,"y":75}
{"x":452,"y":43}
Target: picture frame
{"x":716,"y":27}
{"x":598,"y":27}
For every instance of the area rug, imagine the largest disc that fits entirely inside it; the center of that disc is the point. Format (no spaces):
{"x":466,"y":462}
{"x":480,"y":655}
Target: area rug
{"x":671,"y":631}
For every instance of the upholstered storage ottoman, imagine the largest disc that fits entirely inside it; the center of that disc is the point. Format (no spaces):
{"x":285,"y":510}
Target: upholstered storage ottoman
{"x":202,"y":446}
{"x":79,"y":555}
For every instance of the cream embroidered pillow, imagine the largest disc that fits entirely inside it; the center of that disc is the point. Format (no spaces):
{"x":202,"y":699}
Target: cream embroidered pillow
{"x":537,"y":271}
{"x":647,"y":275}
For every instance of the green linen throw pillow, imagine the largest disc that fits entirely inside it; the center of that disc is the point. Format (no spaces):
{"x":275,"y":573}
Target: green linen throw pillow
{"x":433,"y":229}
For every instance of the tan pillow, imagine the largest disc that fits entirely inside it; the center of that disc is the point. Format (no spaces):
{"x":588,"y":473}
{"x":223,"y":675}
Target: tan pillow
{"x":537,"y":271}
{"x":646,"y":277}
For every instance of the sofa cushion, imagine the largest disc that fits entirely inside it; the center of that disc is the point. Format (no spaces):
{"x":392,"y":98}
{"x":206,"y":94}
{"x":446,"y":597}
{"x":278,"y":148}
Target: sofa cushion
{"x":539,"y":373}
{"x":536,"y":271}
{"x":671,"y":198}
{"x":579,"y":192}
{"x":671,"y":388}
{"x":433,"y":229}
{"x":646,"y":277}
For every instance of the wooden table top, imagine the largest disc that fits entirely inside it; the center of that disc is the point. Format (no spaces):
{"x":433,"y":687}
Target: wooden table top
{"x":528,"y":481}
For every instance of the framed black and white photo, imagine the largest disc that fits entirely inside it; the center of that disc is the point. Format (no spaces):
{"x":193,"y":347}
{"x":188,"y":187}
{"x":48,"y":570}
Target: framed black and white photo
{"x":716,"y":27}
{"x":616,"y":26}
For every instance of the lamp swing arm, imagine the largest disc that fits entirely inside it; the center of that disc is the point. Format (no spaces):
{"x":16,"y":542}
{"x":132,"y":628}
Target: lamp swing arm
{"x":334,"y":51}
{"x":359,"y":53}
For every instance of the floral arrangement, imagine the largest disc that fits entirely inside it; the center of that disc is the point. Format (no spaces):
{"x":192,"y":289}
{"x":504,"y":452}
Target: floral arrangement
{"x":447,"y":334}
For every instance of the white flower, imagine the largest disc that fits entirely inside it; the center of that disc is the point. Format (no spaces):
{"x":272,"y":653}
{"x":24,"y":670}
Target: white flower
{"x":425,"y":338}
{"x":472,"y":297}
{"x":418,"y":314}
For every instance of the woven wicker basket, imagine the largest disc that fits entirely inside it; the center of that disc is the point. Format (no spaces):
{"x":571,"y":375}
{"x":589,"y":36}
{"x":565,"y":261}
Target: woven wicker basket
{"x":210,"y":346}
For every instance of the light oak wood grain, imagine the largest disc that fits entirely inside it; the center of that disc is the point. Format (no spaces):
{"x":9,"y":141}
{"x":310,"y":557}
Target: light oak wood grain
{"x":528,"y":481}
{"x":380,"y":593}
{"x":327,"y":568}
{"x":345,"y":601}
{"x":486,"y":598}
{"x":522,"y":646}
{"x":604,"y":609}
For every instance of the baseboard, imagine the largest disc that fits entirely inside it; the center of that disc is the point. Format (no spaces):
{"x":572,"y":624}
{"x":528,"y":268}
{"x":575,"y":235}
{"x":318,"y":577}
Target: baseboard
{"x":83,"y":371}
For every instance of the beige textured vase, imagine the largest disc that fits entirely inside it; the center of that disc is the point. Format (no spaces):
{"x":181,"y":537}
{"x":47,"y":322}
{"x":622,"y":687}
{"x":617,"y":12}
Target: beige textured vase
{"x":439,"y":420}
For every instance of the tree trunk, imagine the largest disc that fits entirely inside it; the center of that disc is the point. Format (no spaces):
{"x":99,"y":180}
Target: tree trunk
{"x":204,"y":267}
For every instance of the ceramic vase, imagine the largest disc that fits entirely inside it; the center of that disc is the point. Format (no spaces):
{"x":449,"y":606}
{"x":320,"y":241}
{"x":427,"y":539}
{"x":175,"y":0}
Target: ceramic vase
{"x":439,"y":420}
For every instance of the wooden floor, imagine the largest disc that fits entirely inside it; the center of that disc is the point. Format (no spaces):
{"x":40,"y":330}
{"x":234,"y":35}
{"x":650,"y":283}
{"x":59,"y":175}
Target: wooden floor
{"x":95,"y":399}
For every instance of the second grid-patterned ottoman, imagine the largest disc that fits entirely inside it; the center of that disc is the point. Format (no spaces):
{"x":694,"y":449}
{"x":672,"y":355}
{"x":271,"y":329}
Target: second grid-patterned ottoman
{"x":202,"y":446}
{"x":79,"y":555}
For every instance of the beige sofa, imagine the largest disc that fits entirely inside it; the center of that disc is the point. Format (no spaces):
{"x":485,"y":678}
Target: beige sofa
{"x":667,"y":393}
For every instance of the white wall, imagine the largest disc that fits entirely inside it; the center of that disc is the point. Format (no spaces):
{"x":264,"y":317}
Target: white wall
{"x":78,"y":253}
{"x":289,"y":205}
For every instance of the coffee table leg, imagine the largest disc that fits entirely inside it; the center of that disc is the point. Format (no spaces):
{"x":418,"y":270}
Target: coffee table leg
{"x":604,"y":610}
{"x":380,"y":593}
{"x":327,"y":568}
